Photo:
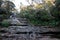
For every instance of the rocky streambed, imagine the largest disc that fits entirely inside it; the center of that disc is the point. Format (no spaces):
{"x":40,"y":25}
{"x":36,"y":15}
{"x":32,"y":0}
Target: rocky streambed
{"x":29,"y":33}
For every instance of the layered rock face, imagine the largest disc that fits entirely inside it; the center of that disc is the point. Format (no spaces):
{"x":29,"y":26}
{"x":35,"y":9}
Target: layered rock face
{"x":24,"y":31}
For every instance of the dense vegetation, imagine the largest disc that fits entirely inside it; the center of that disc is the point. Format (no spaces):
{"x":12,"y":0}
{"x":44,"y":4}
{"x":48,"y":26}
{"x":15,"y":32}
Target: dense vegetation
{"x":5,"y":12}
{"x":45,"y":14}
{"x":43,"y":17}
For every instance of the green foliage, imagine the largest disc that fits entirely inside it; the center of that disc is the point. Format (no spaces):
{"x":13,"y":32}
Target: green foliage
{"x":55,"y":13}
{"x":4,"y":14}
{"x":57,"y":2}
{"x":41,"y":17}
{"x":56,"y":10}
{"x":5,"y":23}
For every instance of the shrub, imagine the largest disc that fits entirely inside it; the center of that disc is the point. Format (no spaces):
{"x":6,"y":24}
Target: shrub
{"x":42,"y":17}
{"x":5,"y":23}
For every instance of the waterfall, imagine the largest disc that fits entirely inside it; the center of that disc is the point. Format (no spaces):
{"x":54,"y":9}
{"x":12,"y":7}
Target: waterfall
{"x":14,"y":18}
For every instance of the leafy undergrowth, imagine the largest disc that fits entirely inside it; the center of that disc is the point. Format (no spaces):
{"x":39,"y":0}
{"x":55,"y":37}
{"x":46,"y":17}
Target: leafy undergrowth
{"x":5,"y":23}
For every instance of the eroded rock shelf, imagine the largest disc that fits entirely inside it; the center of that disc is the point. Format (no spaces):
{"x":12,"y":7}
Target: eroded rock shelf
{"x":29,"y":32}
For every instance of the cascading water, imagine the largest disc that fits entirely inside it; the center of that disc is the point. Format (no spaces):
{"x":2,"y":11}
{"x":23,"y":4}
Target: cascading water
{"x":14,"y":18}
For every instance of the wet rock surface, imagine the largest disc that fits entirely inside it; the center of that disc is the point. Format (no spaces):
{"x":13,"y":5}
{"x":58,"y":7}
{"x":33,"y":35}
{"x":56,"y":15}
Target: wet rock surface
{"x":29,"y":32}
{"x":21,"y":33}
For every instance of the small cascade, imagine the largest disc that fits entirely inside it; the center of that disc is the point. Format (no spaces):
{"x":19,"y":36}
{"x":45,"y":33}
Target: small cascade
{"x":14,"y":19}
